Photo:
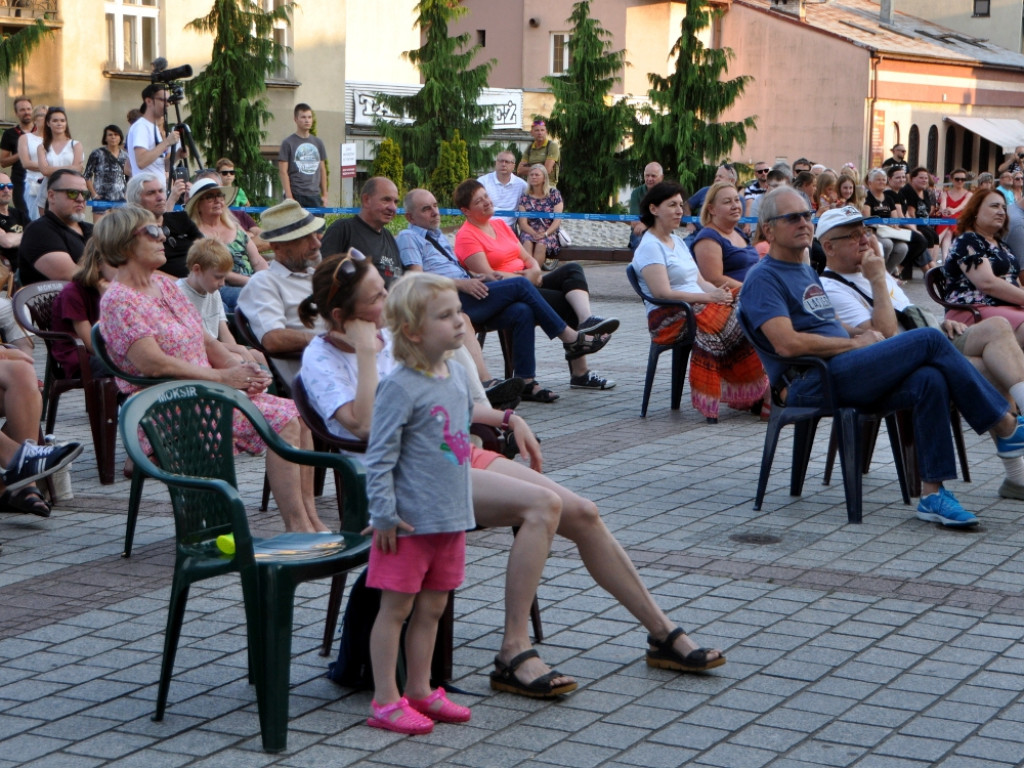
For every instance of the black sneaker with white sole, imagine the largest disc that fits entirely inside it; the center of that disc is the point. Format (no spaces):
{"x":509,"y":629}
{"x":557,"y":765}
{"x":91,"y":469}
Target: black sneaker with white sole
{"x":33,"y":462}
{"x":590,"y":380}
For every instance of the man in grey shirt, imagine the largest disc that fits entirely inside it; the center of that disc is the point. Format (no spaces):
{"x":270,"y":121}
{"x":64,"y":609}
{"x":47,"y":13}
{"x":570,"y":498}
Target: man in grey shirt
{"x":302,"y":162}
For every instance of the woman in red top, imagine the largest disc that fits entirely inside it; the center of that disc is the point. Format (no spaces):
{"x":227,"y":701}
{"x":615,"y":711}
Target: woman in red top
{"x":487,"y":248}
{"x":951,"y":202}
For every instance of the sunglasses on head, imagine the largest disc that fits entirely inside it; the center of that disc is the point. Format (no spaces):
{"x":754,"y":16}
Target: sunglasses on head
{"x":346,"y":266}
{"x":74,"y":194}
{"x":793,"y":218}
{"x":153,"y":232}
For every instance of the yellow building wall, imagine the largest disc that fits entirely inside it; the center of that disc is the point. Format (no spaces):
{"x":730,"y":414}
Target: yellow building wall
{"x":386,"y":30}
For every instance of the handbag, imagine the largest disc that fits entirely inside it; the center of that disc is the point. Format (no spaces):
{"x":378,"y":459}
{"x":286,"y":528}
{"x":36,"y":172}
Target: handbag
{"x":564,"y":239}
{"x":891,"y":233}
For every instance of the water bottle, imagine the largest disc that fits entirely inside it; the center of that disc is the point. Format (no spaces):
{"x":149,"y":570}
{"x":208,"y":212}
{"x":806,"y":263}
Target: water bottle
{"x":61,"y":478}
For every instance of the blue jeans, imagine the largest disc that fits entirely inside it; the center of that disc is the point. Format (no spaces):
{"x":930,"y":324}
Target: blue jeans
{"x":514,"y":303}
{"x":918,"y":369}
{"x":229,"y":295}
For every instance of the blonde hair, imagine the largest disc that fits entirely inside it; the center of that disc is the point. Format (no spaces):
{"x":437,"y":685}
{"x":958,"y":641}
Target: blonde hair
{"x":545,"y":186}
{"x":209,"y":253}
{"x":709,"y":200}
{"x":826,"y":180}
{"x":115,"y":233}
{"x":405,"y":311}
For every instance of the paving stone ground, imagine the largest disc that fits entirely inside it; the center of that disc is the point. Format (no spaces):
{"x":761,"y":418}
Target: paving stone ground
{"x":891,"y":644}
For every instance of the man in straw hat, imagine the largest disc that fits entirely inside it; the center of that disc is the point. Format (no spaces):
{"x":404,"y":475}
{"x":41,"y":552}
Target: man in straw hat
{"x":270,"y":300}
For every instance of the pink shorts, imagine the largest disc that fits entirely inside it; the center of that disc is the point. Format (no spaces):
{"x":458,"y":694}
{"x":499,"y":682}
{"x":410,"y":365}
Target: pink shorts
{"x":481,"y":458}
{"x":435,"y":561}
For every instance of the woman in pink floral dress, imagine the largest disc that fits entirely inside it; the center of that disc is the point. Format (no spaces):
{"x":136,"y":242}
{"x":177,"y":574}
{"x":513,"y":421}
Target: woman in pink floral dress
{"x":152,"y":329}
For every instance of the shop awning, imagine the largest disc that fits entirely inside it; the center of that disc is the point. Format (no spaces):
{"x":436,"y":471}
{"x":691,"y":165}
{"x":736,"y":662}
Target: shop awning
{"x":1005,"y":132}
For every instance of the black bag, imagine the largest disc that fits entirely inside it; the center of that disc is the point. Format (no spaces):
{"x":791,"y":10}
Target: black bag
{"x":353,"y":669}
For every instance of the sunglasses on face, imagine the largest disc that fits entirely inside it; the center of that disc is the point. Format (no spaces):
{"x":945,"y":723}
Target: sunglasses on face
{"x":761,"y":170}
{"x":793,"y":218}
{"x":6,"y":186}
{"x":959,"y":178}
{"x":153,"y":232}
{"x":228,"y":172}
{"x":74,"y":194}
{"x":346,"y":266}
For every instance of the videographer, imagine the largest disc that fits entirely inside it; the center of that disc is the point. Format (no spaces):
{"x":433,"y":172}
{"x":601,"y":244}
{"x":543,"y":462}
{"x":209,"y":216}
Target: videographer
{"x":148,"y":147}
{"x":1012,"y":161}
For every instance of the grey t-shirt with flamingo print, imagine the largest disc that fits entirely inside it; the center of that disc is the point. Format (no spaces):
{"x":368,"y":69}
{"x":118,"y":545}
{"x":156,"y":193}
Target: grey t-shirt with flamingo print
{"x":418,"y":459}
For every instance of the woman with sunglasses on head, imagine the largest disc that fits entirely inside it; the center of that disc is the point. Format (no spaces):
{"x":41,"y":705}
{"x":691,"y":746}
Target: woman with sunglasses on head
{"x":152,"y":329}
{"x":58,"y":149}
{"x":107,"y":169}
{"x":951,"y":202}
{"x":207,"y":206}
{"x":341,"y":369}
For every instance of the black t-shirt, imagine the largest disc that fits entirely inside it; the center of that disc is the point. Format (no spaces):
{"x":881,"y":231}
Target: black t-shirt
{"x":48,"y":234}
{"x":12,"y":221}
{"x":882,"y":208}
{"x":892,"y":161}
{"x":914,"y":206}
{"x":9,"y":141}
{"x":184,"y":232}
{"x":378,"y":246}
{"x":892,"y":199}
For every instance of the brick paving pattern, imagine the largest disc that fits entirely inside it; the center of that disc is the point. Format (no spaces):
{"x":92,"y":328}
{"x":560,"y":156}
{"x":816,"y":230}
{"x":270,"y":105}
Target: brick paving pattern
{"x":892,"y":644}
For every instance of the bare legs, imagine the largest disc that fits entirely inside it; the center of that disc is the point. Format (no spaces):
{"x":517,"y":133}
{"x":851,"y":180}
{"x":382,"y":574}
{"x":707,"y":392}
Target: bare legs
{"x":21,"y":403}
{"x":292,"y":484}
{"x":427,"y":607}
{"x":602,"y":555}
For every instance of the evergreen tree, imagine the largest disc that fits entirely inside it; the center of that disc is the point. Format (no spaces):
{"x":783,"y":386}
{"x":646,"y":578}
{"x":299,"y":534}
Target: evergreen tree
{"x":388,"y":163}
{"x":589,"y":129}
{"x":448,"y":100}
{"x":15,"y":49}
{"x":227,"y":99}
{"x":683,"y":133}
{"x":452,"y":169}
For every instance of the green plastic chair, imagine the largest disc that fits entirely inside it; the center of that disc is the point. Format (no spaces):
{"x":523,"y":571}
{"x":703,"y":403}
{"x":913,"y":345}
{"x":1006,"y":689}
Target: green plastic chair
{"x":189,"y":426}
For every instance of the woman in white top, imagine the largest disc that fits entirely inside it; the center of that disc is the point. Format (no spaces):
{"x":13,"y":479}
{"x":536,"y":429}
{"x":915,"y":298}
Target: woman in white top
{"x":724,"y":367}
{"x":27,"y":145}
{"x":58,"y":149}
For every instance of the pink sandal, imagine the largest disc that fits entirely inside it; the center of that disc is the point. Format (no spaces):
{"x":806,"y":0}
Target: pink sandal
{"x":399,"y":717}
{"x":439,"y":707}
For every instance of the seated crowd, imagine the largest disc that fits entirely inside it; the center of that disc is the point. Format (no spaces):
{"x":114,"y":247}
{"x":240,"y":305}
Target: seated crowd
{"x":161,"y":284}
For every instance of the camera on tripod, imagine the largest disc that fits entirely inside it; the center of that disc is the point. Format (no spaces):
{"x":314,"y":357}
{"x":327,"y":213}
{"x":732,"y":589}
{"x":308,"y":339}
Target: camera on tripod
{"x":170,"y":76}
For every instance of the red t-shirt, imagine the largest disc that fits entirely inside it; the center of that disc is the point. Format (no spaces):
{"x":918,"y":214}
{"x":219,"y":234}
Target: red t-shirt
{"x":503,"y":251}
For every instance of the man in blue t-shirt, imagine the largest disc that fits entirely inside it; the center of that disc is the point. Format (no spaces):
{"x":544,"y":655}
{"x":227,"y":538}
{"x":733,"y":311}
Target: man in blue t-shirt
{"x":783,"y":300}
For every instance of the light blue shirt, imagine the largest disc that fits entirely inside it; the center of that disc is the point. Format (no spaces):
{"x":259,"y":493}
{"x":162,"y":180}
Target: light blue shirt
{"x":415,"y":250}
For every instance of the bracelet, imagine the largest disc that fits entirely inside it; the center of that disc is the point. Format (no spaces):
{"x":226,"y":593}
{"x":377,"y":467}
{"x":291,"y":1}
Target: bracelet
{"x":509,"y":413}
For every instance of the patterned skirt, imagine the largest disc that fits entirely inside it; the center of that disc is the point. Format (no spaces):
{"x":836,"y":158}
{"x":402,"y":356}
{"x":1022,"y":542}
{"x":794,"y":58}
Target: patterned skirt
{"x":724,"y":368}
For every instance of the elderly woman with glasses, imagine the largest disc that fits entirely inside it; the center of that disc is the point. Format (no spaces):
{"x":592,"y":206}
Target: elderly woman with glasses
{"x":207,"y":206}
{"x":152,"y":329}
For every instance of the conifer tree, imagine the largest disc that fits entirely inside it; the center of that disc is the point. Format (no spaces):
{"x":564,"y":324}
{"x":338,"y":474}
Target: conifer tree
{"x":229,"y":108}
{"x":452,"y":169}
{"x":448,"y":100}
{"x":388,"y":163}
{"x":15,"y":49}
{"x":590,"y":131}
{"x":683,"y":132}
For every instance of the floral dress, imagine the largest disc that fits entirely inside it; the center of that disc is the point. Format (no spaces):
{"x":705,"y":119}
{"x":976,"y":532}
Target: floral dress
{"x":107,"y":174}
{"x":174,"y":323}
{"x":967,"y":252}
{"x":543,"y":205}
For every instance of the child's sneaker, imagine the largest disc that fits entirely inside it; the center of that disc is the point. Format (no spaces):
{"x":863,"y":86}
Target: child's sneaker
{"x":943,"y":508}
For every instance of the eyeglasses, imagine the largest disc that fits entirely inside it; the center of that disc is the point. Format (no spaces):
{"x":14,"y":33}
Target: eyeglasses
{"x":153,"y":232}
{"x":959,"y":178}
{"x":792,"y":218}
{"x":74,"y":194}
{"x":761,"y":170}
{"x":228,"y":172}
{"x":852,"y":236}
{"x":6,"y":186}
{"x":345,"y":265}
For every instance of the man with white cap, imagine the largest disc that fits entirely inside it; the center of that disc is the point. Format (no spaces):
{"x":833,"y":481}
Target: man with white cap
{"x":865,"y":296}
{"x":784,"y":302}
{"x":270,"y":300}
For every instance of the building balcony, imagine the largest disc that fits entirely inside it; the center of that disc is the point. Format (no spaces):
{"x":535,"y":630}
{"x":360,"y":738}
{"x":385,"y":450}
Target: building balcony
{"x":48,"y":10}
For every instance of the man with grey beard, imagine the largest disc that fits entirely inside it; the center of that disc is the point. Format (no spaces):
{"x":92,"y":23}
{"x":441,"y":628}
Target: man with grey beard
{"x":52,"y":245}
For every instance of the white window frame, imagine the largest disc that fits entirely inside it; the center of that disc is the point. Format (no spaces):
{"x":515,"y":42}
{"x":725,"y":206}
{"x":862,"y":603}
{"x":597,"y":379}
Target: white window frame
{"x":283,"y":35}
{"x":563,"y":64}
{"x":133,"y":12}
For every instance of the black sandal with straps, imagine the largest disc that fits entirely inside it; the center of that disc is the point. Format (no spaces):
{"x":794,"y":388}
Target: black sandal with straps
{"x":663,"y":655}
{"x":585,"y":344}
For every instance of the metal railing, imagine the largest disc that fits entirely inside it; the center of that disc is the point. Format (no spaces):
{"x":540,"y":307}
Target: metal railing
{"x":29,"y":9}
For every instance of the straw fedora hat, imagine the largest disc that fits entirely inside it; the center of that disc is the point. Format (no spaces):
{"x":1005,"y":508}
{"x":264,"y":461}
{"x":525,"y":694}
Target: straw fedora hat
{"x":288,"y":221}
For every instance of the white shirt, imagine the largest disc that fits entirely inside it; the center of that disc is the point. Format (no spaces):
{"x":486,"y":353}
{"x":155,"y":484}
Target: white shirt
{"x":270,"y":301}
{"x":210,"y":306}
{"x":853,"y":309}
{"x":504,"y":196}
{"x":145,"y":135}
{"x":682,"y":269}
